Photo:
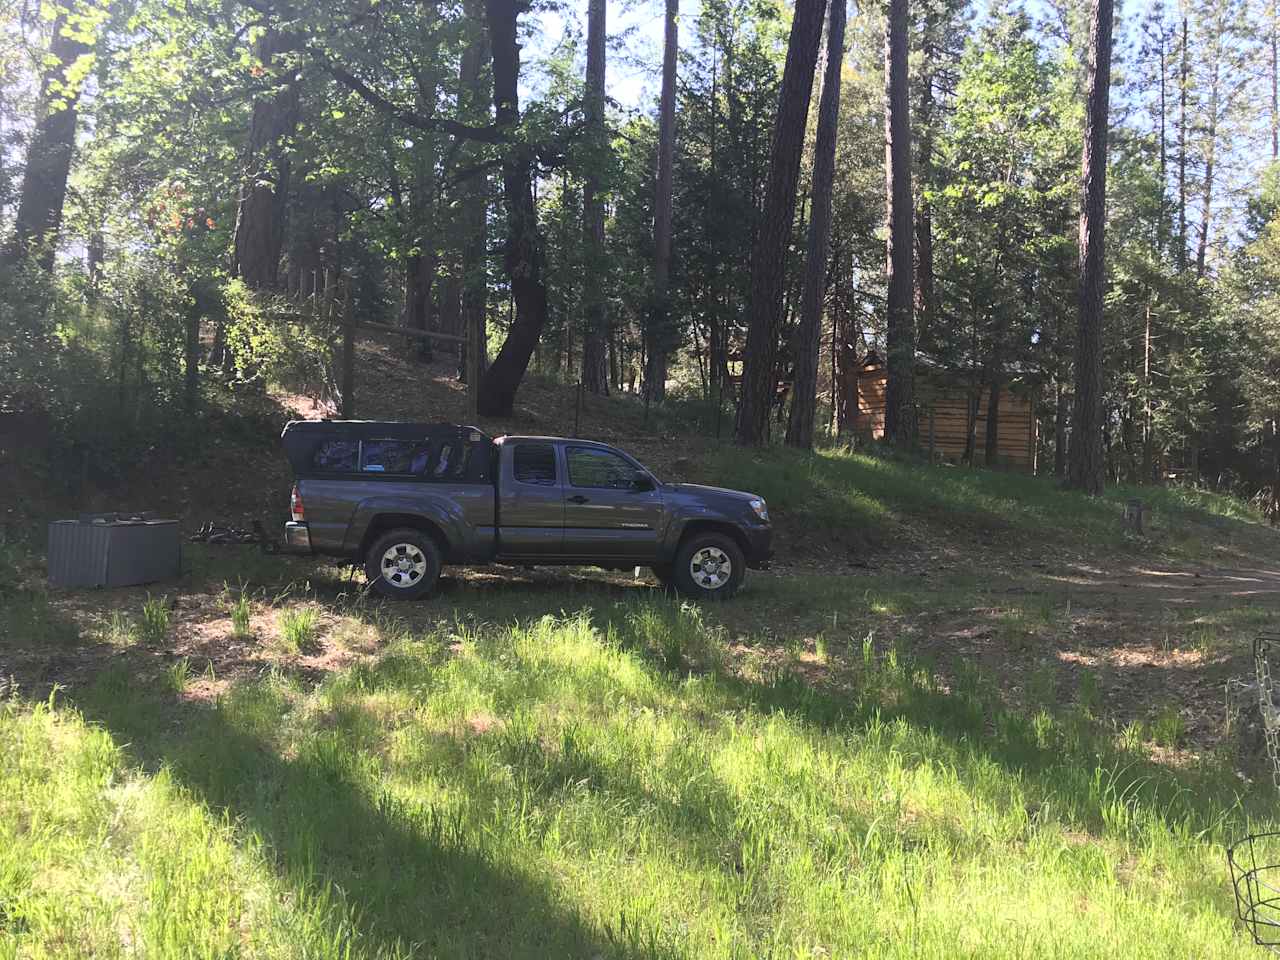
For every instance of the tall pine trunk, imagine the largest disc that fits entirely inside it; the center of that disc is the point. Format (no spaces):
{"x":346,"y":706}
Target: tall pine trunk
{"x":595,"y":374}
{"x":473,"y":99}
{"x":522,"y":253}
{"x":262,"y":209}
{"x":899,"y":417}
{"x":1086,"y":468}
{"x":44,"y":181}
{"x":1211,"y":150}
{"x":924,"y":279}
{"x":657,"y":335}
{"x":768,"y":258}
{"x":1273,"y":43}
{"x":1183,"y":81}
{"x":804,"y":399}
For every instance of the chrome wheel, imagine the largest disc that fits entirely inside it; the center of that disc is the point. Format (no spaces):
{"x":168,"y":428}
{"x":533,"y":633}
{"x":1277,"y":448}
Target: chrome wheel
{"x":403,"y":565}
{"x":710,"y":568}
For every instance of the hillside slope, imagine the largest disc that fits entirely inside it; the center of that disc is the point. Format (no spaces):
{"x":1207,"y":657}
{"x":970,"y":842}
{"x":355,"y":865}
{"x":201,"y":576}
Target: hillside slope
{"x":834,"y":510}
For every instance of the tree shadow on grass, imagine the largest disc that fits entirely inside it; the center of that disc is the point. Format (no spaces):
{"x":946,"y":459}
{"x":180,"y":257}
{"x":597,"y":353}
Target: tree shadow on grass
{"x":414,"y":880}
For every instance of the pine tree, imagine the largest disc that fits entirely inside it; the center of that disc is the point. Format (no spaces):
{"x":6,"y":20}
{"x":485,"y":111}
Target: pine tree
{"x":805,"y":391}
{"x":1087,"y":467}
{"x":768,"y":259}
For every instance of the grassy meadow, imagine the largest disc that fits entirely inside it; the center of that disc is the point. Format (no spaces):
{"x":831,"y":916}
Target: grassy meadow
{"x":599,"y":783}
{"x":968,"y":716}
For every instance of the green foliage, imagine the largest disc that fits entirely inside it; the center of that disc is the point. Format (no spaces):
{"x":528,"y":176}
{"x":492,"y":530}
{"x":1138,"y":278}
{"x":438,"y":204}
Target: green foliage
{"x":240,"y":607}
{"x":298,"y":626}
{"x":1167,"y":726}
{"x":154,"y":627}
{"x":121,"y":631}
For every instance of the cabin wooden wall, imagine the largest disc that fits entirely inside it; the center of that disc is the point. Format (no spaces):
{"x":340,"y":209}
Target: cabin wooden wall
{"x":945,"y":420}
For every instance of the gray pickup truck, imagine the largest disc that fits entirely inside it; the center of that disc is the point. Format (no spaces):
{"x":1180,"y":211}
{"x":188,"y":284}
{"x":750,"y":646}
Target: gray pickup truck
{"x":407,"y":498}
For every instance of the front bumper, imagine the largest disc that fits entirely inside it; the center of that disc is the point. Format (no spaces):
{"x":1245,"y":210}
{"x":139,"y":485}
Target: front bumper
{"x":760,"y":537}
{"x":297,"y":538}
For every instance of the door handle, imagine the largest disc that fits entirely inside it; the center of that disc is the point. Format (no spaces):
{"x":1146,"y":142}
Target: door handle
{"x":579,"y":498}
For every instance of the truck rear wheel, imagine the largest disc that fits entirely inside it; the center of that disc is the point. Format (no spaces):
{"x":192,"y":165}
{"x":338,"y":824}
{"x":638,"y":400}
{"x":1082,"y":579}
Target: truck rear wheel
{"x":403,"y":564}
{"x":709,"y":566}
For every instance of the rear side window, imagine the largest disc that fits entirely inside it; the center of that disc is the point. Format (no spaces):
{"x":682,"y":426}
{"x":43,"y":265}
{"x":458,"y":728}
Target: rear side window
{"x":394,"y":456}
{"x":336,"y":456}
{"x":535,"y":463}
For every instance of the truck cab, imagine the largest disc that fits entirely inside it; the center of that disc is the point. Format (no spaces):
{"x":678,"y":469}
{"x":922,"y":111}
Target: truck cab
{"x":449,"y":494}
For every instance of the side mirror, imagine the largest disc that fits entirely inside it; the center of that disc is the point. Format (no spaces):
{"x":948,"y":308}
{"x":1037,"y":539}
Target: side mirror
{"x":642,"y":483}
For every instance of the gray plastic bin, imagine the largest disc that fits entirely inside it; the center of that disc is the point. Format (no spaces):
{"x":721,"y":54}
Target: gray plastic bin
{"x":113,"y":550}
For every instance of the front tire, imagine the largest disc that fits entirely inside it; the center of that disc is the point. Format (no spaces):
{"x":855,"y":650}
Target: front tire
{"x":403,"y":564}
{"x":709,"y":566}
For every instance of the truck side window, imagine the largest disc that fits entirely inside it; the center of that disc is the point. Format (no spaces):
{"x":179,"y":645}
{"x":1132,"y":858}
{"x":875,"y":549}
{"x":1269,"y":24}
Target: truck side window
{"x":336,"y":456}
{"x":393,"y":456}
{"x":535,"y":463}
{"x":592,"y":467}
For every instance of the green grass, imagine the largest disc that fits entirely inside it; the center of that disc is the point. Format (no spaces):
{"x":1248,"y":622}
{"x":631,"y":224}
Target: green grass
{"x":154,"y":626}
{"x":240,"y":607}
{"x":872,"y":500}
{"x":596,"y":784}
{"x":298,"y":626}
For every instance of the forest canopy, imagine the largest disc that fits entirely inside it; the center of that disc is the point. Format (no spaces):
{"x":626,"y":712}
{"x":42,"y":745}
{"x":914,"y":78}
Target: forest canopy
{"x":733,"y":202}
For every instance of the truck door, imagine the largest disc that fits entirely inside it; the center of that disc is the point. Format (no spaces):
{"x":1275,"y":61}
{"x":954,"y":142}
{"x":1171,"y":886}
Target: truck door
{"x":612,"y":507}
{"x":530,"y":501}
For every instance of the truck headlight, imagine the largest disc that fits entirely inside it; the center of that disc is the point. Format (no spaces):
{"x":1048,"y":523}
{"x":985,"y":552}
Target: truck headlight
{"x":760,"y":508}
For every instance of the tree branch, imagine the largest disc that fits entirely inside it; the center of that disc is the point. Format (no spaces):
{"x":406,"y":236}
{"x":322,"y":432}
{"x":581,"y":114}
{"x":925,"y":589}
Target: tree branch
{"x":410,"y":119}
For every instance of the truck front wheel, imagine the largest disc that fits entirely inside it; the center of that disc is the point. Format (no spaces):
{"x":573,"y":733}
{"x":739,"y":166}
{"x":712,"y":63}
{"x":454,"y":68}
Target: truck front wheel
{"x":709,"y":566}
{"x":403,"y":564}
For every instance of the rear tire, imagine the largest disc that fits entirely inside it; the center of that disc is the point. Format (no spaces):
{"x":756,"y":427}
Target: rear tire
{"x":403,"y":564}
{"x":709,"y":566}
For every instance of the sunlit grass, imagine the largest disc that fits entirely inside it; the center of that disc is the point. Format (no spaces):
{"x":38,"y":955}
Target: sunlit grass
{"x":599,"y":784}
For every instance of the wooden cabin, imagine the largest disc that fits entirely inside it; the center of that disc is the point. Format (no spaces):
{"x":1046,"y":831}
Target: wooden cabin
{"x":942,"y":398}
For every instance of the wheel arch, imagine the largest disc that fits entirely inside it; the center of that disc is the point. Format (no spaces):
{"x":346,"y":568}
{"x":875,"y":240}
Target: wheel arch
{"x":381,"y":523}
{"x":694,"y":527}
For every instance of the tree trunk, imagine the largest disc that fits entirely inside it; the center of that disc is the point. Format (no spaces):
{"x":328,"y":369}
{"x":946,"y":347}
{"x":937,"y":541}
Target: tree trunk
{"x":658,"y":334}
{"x":899,"y":420}
{"x":1182,"y":149}
{"x":924,"y":279}
{"x":991,"y":453}
{"x":768,"y":258}
{"x":1211,"y":148}
{"x":523,"y":253}
{"x":1060,"y":432}
{"x":261,"y":213}
{"x":1148,"y":427}
{"x":1274,"y":44}
{"x":191,"y":360}
{"x":804,"y":397}
{"x":473,"y":100}
{"x":595,"y":373}
{"x":1086,"y":460}
{"x":44,"y":181}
